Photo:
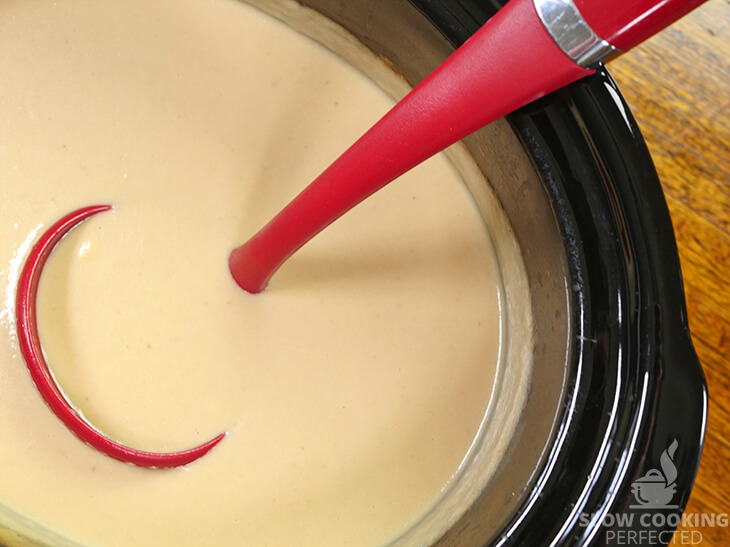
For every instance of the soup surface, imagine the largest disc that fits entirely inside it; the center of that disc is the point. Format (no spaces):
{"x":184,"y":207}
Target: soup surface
{"x":351,"y":390}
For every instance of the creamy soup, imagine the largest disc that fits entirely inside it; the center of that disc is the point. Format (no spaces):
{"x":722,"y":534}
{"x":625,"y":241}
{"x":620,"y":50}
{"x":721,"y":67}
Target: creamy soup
{"x":352,"y":390}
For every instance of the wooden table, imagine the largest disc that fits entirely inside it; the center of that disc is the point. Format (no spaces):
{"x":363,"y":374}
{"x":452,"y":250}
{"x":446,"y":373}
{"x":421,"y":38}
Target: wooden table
{"x":678,"y":87}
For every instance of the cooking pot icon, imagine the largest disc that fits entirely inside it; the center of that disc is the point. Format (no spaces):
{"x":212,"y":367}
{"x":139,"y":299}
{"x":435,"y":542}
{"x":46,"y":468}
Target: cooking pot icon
{"x":657,"y":488}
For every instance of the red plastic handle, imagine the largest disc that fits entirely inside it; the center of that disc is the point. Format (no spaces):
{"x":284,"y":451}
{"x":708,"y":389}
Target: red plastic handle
{"x":509,"y":62}
{"x":626,"y":23}
{"x":32,"y":350}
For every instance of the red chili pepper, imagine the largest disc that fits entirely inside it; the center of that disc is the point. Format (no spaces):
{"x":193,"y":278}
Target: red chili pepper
{"x":30,"y":347}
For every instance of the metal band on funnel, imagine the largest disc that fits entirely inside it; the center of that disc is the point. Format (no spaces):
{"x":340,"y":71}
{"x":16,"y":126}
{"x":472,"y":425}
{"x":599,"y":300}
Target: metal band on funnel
{"x":572,"y":34}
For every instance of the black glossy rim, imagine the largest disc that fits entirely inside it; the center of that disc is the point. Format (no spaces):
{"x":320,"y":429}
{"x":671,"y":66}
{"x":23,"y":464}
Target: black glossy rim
{"x":637,"y":383}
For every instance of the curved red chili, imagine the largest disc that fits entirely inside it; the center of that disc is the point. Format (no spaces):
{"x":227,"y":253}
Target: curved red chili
{"x":30,"y":347}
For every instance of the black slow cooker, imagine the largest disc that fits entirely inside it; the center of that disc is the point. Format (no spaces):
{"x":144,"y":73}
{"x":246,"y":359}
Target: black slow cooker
{"x":610,"y":438}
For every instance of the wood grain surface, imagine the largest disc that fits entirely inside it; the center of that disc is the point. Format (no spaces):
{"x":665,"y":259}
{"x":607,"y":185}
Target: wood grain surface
{"x":678,"y":87}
